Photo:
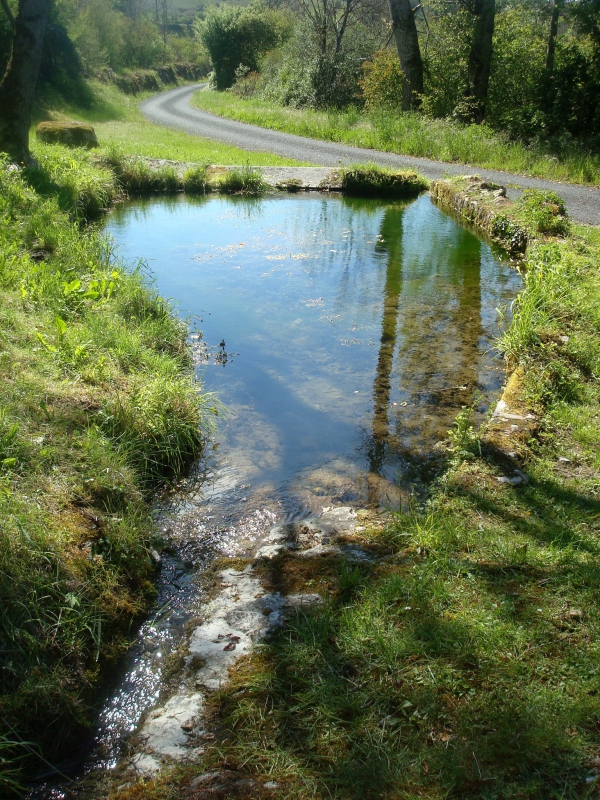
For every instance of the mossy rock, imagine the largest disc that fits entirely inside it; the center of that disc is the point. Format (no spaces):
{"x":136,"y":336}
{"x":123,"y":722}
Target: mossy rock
{"x":72,"y":134}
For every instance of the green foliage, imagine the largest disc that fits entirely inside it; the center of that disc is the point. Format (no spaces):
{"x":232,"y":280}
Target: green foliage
{"x":245,"y":180}
{"x":375,"y":181}
{"x":238,"y":36}
{"x":156,"y":425}
{"x":82,"y":439}
{"x":544,"y":212}
{"x":195,"y":181}
{"x":303,"y":73}
{"x":445,"y":57}
{"x":138,"y":177}
{"x":464,"y":440}
{"x":381,"y":84}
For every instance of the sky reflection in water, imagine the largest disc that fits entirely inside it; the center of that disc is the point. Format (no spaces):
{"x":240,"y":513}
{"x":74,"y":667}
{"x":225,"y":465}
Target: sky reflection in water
{"x":354,"y":330}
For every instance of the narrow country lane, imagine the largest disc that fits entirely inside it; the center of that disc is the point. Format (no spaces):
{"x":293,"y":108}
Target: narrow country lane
{"x":172,"y":109}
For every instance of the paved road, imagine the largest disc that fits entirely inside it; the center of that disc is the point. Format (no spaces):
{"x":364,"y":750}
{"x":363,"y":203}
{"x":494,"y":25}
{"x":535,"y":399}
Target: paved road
{"x":173,"y":110}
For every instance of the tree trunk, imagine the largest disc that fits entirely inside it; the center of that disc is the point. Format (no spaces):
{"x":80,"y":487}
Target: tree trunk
{"x":409,"y":52}
{"x":556,"y":9}
{"x":18,"y":86}
{"x":480,"y":57}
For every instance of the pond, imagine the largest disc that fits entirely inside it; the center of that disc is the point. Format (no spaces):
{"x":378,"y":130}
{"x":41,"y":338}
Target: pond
{"x":343,"y":336}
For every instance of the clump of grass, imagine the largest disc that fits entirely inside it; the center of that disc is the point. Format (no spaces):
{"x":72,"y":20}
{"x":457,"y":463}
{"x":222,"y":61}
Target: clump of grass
{"x":156,"y":425}
{"x":136,"y":176}
{"x":245,"y":180}
{"x":374,"y":181}
{"x":196,"y":181}
{"x":544,"y":212}
{"x":82,"y":441}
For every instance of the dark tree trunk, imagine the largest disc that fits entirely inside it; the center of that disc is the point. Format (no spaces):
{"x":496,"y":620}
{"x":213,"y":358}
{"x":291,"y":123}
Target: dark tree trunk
{"x":480,"y":57}
{"x":409,"y":52}
{"x":18,"y":86}
{"x":556,"y":9}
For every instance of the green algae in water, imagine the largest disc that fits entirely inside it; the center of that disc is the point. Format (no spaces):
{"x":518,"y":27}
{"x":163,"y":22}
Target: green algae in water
{"x":351,"y":331}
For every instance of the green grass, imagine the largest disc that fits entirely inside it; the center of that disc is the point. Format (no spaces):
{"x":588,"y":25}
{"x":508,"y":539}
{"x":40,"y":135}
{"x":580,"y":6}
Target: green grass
{"x":118,"y":122}
{"x":246,"y":181}
{"x":373,"y":181}
{"x":465,"y":662}
{"x":97,"y":409}
{"x":411,"y":134}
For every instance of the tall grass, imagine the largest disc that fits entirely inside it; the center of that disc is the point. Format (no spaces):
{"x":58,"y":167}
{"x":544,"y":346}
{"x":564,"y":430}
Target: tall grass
{"x":245,"y":180}
{"x":84,"y":439}
{"x":414,"y":135}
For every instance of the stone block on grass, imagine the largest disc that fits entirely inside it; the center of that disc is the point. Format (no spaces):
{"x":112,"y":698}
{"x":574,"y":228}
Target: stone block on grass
{"x":72,"y":134}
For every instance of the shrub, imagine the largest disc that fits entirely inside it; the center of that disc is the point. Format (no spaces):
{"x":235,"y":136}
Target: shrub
{"x":234,"y":35}
{"x":381,"y":84}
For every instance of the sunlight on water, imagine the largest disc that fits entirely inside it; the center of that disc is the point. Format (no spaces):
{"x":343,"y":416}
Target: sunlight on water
{"x":343,"y":336}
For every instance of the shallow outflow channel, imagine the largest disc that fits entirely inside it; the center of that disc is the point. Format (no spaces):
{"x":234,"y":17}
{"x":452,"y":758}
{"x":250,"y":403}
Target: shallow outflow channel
{"x":343,"y":336}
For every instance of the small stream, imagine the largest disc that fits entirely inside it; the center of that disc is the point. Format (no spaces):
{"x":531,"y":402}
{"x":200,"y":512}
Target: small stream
{"x":343,"y":336}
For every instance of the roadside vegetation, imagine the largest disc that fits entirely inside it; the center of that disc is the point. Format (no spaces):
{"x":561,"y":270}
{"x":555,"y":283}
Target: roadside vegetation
{"x":512,"y":86}
{"x":464,"y":661}
{"x":410,"y":134}
{"x":98,"y":409}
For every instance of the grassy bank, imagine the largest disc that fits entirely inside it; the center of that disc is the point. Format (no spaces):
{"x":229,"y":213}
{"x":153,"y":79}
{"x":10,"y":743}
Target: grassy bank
{"x":413,"y":135}
{"x":118,"y":121}
{"x":465,"y":661}
{"x":97,"y":410}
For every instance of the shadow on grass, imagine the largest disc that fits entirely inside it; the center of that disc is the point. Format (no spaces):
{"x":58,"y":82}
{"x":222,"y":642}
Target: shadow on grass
{"x":454,"y":672}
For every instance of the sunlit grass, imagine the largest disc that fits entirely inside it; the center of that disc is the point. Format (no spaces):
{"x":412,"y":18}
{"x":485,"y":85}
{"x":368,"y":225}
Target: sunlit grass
{"x":411,"y":134}
{"x":118,"y":121}
{"x":97,"y":409}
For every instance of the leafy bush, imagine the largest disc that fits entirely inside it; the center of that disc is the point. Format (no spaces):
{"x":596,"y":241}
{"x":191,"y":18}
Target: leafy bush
{"x":301,"y":74}
{"x":235,"y":36}
{"x":381,"y":84}
{"x":246,"y":85}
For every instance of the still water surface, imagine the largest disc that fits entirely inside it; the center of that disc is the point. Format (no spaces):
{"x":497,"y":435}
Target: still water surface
{"x":351,"y":331}
{"x":343,"y":336}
